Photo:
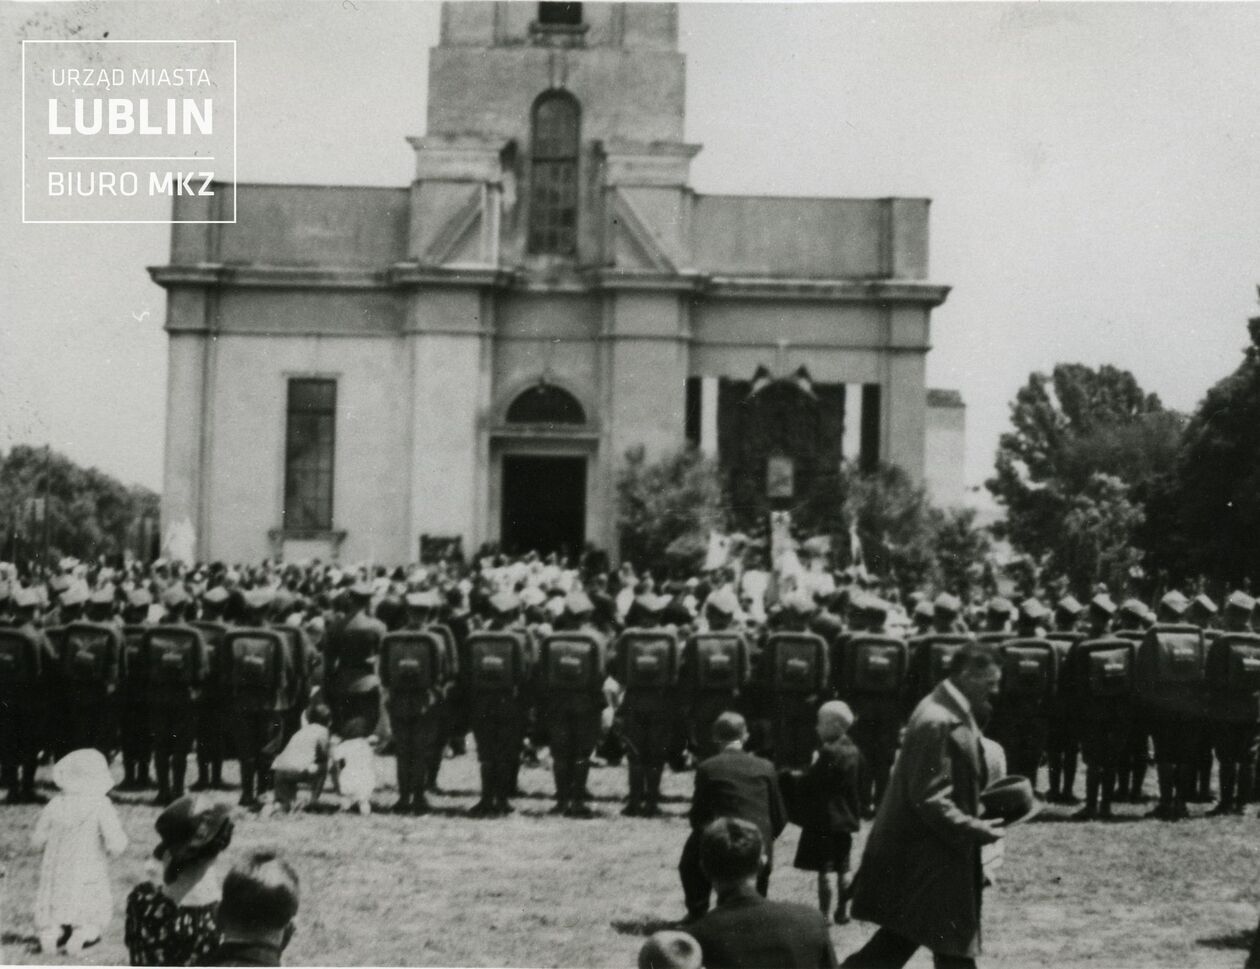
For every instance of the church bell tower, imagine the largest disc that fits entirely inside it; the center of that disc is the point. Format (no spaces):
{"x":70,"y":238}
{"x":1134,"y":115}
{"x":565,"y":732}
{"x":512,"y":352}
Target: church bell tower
{"x":554,"y":140}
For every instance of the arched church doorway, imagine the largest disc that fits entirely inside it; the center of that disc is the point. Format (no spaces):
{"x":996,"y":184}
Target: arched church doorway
{"x":543,"y":486}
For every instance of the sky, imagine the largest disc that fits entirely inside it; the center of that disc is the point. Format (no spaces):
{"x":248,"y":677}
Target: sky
{"x":1093,"y":170}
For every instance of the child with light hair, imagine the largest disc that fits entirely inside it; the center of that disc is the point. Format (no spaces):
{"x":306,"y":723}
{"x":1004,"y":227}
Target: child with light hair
{"x":830,"y":810}
{"x":355,"y":761}
{"x":77,"y":829}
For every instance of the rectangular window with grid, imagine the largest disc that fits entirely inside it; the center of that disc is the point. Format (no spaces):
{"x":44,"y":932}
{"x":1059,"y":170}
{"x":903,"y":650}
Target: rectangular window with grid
{"x":309,"y":440}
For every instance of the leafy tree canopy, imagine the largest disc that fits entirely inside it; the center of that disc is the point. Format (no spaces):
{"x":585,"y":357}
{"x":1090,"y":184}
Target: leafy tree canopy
{"x":89,"y":512}
{"x":1068,"y":428}
{"x":1217,"y":488}
{"x":667,"y":507}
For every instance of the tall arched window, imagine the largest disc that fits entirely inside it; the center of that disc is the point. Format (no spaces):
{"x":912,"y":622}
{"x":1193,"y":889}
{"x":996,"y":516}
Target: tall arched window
{"x":553,"y":195}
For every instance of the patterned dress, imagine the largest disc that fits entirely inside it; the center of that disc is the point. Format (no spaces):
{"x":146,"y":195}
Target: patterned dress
{"x":161,"y":933}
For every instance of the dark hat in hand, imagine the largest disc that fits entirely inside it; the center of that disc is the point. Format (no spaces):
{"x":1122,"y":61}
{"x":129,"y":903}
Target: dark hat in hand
{"x":1010,"y":800}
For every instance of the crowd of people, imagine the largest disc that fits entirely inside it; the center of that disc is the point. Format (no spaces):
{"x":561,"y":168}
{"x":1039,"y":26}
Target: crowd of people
{"x":814,"y":696}
{"x":154,"y":662}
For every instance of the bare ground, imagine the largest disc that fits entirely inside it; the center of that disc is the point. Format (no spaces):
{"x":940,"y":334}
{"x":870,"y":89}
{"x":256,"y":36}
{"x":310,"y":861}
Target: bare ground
{"x":533,"y":890}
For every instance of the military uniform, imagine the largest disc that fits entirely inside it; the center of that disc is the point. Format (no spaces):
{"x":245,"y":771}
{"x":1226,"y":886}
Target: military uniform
{"x":1176,"y":733}
{"x":708,"y":697}
{"x":1131,"y":621}
{"x":1062,"y":739}
{"x":133,"y":694}
{"x":1201,"y":611}
{"x":212,"y":727}
{"x":257,"y":675}
{"x":646,"y":665}
{"x":874,"y":689}
{"x":413,"y":673}
{"x":351,"y":679}
{"x":568,"y":684}
{"x":1104,"y":721}
{"x":25,"y":657}
{"x":497,"y":681}
{"x":1234,"y":729}
{"x":175,"y":663}
{"x":794,"y":708}
{"x":1029,"y":682}
{"x":89,"y":669}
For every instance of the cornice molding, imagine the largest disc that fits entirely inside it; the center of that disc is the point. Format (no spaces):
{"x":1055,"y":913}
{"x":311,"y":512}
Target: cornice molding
{"x":410,"y":275}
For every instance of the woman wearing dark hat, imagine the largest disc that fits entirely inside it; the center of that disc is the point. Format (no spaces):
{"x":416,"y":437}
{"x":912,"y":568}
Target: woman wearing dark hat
{"x":175,"y":923}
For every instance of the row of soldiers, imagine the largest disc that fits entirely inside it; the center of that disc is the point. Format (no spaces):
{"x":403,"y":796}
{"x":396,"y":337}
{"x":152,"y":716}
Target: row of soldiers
{"x":102,"y":677}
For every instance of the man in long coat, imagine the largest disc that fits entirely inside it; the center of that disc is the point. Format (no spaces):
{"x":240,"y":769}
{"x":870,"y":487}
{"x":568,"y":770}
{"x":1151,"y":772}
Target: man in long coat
{"x":920,"y":879}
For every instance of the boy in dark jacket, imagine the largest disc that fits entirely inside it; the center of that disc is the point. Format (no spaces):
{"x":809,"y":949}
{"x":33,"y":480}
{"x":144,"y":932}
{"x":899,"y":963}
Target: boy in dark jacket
{"x":829,"y":804}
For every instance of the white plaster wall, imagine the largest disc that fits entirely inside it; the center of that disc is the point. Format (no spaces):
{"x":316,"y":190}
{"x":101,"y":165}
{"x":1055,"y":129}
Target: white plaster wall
{"x":946,"y":454}
{"x":182,"y":472}
{"x":245,"y":474}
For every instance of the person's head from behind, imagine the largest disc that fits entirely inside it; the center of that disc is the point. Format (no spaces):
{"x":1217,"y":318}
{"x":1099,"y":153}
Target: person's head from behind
{"x":356,"y":728}
{"x":670,"y":950}
{"x":319,"y":714}
{"x":729,"y":729}
{"x":193,"y":832}
{"x":260,"y":900}
{"x":835,"y":719}
{"x":731,"y":851}
{"x":976,"y":672}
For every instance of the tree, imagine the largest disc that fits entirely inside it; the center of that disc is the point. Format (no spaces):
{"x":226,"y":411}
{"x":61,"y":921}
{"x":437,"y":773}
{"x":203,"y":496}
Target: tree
{"x":1095,"y":542}
{"x":905,"y":539}
{"x":1070,"y":428}
{"x":961,"y":550}
{"x":1217,"y":487}
{"x":666,"y":509}
{"x":88,"y":512}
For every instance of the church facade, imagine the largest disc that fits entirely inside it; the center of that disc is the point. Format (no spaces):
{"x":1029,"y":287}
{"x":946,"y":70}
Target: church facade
{"x":353,"y":371}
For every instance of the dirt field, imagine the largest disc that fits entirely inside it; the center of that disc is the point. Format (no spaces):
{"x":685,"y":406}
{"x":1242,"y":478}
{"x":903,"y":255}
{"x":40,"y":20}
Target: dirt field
{"x":533,"y":890}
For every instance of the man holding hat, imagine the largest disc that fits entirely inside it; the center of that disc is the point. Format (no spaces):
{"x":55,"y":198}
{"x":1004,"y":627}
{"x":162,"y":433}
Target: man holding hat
{"x":921,"y":876}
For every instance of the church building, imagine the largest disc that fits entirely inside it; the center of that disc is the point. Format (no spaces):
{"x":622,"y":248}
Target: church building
{"x":357,"y":373}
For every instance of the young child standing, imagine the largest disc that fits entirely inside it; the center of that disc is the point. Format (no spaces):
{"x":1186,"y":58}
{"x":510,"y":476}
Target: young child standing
{"x":829,"y":803}
{"x":355,"y":760}
{"x":76,"y":830}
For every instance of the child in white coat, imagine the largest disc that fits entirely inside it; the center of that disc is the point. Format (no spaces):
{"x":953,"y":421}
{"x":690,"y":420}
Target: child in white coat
{"x":76,"y":830}
{"x":355,"y":762}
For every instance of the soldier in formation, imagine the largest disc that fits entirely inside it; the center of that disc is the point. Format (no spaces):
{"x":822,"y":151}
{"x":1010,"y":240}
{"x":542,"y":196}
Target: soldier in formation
{"x":157,"y":665}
